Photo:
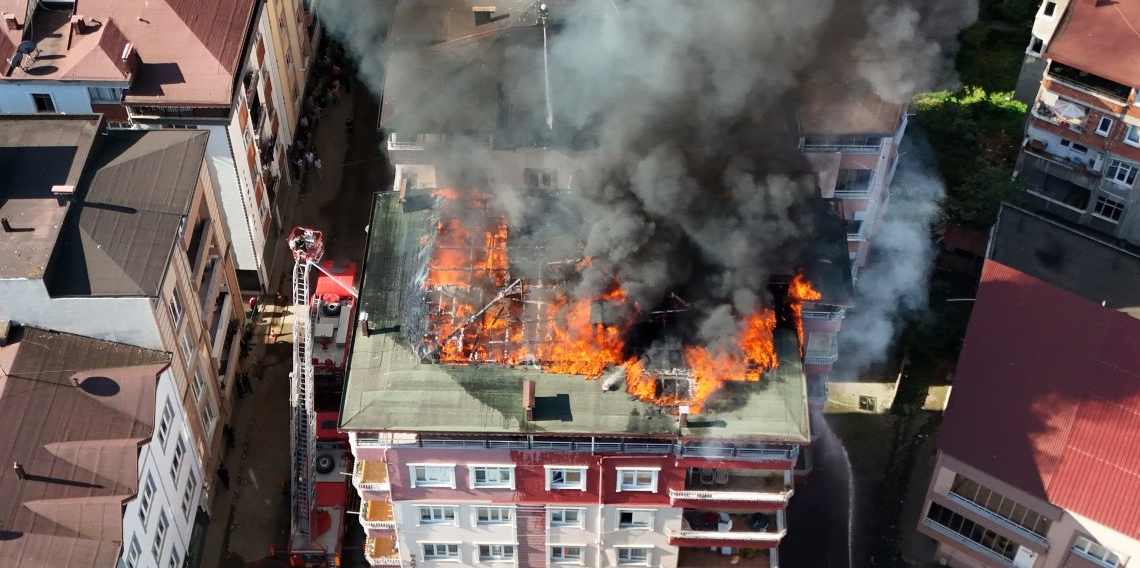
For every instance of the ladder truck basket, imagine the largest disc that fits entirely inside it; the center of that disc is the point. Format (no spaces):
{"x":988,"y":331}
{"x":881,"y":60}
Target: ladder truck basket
{"x":307,"y":245}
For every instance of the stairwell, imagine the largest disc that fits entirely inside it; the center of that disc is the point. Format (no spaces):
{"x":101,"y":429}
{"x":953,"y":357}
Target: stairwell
{"x":531,"y":531}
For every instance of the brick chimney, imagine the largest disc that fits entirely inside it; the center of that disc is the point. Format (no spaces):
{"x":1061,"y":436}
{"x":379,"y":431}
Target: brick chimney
{"x":10,"y":22}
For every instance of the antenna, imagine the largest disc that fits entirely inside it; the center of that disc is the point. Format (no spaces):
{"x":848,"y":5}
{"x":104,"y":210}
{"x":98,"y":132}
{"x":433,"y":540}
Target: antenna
{"x":543,"y":19}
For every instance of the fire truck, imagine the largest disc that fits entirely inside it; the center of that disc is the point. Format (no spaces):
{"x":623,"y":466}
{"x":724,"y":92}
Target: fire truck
{"x":322,"y":332}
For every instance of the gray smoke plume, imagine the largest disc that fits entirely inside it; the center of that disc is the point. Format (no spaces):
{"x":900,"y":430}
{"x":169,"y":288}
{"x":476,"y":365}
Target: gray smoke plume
{"x":690,"y":182}
{"x":894,"y":282}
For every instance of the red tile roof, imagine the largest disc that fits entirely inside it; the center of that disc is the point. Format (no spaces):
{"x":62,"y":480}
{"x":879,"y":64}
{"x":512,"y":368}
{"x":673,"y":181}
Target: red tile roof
{"x":1090,"y":27}
{"x":1047,"y":397}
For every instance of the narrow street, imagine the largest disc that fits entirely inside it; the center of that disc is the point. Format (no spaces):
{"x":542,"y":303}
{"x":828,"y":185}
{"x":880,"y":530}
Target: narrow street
{"x":251,"y":519}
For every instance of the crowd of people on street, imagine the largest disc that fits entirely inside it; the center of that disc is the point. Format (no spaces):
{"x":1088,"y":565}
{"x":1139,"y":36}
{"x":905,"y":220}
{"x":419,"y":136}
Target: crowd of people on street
{"x":330,"y":80}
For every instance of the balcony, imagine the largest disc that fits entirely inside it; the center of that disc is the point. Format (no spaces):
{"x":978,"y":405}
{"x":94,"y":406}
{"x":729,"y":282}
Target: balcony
{"x":1089,"y":83}
{"x":822,"y":349}
{"x":376,"y":516}
{"x":381,"y":551}
{"x":709,"y":528}
{"x":845,"y":144}
{"x":823,"y":312}
{"x":397,"y":141}
{"x":370,"y":475}
{"x":725,"y":487}
{"x":740,"y":558}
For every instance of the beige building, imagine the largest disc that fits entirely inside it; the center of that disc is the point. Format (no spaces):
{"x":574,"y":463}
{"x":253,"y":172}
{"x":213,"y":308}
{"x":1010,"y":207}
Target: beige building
{"x":118,"y":236}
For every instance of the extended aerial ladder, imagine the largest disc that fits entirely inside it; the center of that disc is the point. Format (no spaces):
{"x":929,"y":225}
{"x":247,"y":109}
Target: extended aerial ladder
{"x":308,"y":247}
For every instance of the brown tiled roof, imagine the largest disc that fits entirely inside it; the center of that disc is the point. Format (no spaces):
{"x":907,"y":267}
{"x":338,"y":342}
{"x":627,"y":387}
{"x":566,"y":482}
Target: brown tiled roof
{"x":75,"y":411}
{"x":1100,"y":37}
{"x":1047,"y":397}
{"x":189,"y":51}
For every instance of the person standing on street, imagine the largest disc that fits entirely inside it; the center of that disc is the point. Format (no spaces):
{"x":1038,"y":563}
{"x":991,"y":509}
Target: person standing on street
{"x":317,"y":164}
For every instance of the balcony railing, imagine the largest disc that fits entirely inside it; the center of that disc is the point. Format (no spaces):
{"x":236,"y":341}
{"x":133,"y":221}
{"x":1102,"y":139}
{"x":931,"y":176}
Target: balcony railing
{"x":1089,"y":83}
{"x":727,"y":535}
{"x":381,"y":552}
{"x":949,"y":533}
{"x":377,"y":515}
{"x":680,"y":449}
{"x":368,"y":476}
{"x":824,"y":314}
{"x":740,"y":496}
{"x":998,"y":518}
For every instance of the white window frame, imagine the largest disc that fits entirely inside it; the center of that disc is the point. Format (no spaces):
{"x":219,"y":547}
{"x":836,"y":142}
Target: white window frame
{"x":580,"y":513}
{"x":491,"y":555}
{"x":1104,"y":202}
{"x":1107,"y":129}
{"x":629,"y":561}
{"x":494,"y":515}
{"x":1132,"y":136}
{"x":175,"y":558}
{"x":209,"y":415}
{"x":178,"y":459}
{"x":562,"y":559}
{"x":188,"y":349}
{"x":428,"y":482}
{"x":160,"y":534}
{"x":146,"y":499}
{"x":197,"y":383}
{"x":634,"y":524}
{"x":435,"y":556}
{"x":104,"y":95}
{"x":473,"y":483}
{"x":188,"y":494}
{"x":1083,"y":546}
{"x":50,"y":100}
{"x":133,"y":552}
{"x":177,"y":308}
{"x":1121,"y":166}
{"x":164,"y":423}
{"x":552,"y":469}
{"x":637,"y":472}
{"x":437,"y":515}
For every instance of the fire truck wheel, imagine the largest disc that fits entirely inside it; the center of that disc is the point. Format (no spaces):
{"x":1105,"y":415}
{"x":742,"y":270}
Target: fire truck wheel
{"x":325,"y":463}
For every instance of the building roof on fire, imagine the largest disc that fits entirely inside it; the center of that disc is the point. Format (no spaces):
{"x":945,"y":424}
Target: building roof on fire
{"x":1064,"y":257}
{"x":76,"y":410}
{"x":1047,"y":397}
{"x":388,"y":388}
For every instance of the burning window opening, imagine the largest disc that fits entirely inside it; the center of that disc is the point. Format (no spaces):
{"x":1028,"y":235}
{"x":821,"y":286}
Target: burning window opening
{"x":479,"y":312}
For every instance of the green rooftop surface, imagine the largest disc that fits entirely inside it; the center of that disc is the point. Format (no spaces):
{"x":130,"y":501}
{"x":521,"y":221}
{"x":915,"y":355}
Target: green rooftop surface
{"x":388,"y":388}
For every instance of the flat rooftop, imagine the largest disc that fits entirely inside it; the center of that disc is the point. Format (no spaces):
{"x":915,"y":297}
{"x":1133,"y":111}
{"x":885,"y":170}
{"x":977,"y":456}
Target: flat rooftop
{"x":37,"y":153}
{"x":1089,"y":27}
{"x":388,"y":388}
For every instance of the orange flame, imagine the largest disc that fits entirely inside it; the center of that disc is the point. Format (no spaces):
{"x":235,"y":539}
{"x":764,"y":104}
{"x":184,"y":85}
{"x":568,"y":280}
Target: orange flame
{"x":800,"y":291}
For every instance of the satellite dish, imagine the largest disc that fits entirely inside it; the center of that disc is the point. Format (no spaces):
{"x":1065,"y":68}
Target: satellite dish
{"x":26,"y":47}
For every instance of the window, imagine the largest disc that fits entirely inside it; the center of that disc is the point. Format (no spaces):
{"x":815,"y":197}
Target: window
{"x":281,"y":25}
{"x":566,"y":517}
{"x":540,"y":178}
{"x":198,"y":382}
{"x":43,"y":102}
{"x":1037,"y":46}
{"x":433,"y":475}
{"x":175,"y":558}
{"x":437,"y":514}
{"x":104,"y":94}
{"x":160,"y":534}
{"x":1104,"y":126}
{"x":1132,"y":137}
{"x":164,"y":423}
{"x":635,"y":518}
{"x":1080,"y":148}
{"x":1093,"y":551}
{"x":566,"y":554}
{"x":637,"y":480}
{"x":289,"y":62}
{"x":1108,"y":208}
{"x":976,"y":534}
{"x":999,"y":505}
{"x":855,"y":181}
{"x":630,"y":556}
{"x":188,"y":352}
{"x":494,"y":515}
{"x":566,"y":478}
{"x":1120,"y":172}
{"x":176,"y":463}
{"x":188,"y":495}
{"x":210,"y":415}
{"x":133,"y":552}
{"x":146,"y":498}
{"x":1050,"y":7}
{"x":493,"y":476}
{"x":436,"y":551}
{"x":176,"y":309}
{"x":491,"y":552}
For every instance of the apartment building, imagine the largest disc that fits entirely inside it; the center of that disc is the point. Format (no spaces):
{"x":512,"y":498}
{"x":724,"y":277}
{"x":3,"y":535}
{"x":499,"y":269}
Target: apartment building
{"x":1081,"y":151}
{"x":102,"y":471}
{"x":225,"y":67}
{"x":118,"y":235}
{"x":1034,"y":469}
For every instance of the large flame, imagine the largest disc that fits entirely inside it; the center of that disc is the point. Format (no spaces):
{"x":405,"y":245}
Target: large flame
{"x":800,"y":291}
{"x":471,"y":324}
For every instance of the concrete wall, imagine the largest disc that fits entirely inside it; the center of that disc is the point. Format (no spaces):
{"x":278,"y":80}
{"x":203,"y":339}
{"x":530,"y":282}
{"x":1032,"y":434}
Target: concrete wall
{"x":844,"y":396}
{"x":124,"y":320}
{"x":16,"y":98}
{"x":155,"y":461}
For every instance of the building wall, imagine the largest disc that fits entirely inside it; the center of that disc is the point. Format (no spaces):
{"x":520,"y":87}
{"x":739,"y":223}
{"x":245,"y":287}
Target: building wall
{"x":69,"y":98}
{"x":289,"y":43}
{"x":124,"y":320}
{"x":236,"y":200}
{"x":155,"y":460}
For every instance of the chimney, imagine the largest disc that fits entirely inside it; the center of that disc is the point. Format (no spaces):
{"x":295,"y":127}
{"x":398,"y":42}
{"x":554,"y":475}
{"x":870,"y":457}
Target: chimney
{"x":78,"y":24}
{"x":20,"y":473}
{"x":10,"y":22}
{"x":483,"y":14}
{"x":6,"y":224}
{"x":528,"y":399}
{"x":363,"y":320}
{"x":63,"y":192}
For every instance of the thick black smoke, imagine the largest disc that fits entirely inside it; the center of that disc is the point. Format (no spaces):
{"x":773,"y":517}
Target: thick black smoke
{"x":681,"y":120}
